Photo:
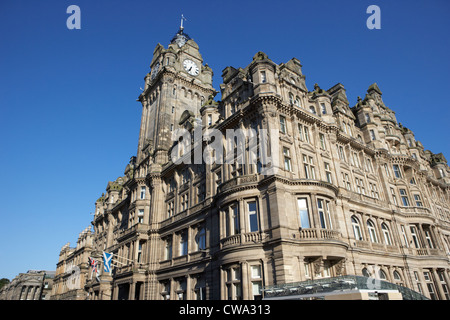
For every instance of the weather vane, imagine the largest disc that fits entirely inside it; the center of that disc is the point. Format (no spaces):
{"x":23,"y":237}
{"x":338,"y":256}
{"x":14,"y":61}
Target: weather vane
{"x":182,"y":18}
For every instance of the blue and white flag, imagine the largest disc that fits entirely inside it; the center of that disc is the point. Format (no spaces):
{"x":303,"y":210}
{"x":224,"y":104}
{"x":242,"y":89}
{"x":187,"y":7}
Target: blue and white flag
{"x":107,"y":257}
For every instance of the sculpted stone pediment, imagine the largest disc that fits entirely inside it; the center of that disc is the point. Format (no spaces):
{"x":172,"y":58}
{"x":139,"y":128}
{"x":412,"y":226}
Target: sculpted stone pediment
{"x":307,"y":147}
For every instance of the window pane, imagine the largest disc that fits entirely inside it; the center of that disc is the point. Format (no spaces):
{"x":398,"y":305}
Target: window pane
{"x":303,"y":211}
{"x":253,"y":218}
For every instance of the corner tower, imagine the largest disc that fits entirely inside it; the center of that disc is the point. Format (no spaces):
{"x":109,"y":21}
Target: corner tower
{"x":178,"y":81}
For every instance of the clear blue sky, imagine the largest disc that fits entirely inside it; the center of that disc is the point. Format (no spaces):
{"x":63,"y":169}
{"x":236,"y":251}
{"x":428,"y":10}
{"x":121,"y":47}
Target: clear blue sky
{"x":68,"y":110}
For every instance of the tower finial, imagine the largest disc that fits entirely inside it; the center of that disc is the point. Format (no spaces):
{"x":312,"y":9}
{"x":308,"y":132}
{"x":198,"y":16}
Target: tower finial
{"x":182,"y":18}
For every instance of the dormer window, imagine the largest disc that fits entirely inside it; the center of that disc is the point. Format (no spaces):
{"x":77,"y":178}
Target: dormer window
{"x":323,"y":108}
{"x":312,"y":109}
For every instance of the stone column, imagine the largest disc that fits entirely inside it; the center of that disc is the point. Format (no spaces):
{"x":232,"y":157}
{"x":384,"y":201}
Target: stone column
{"x":438,"y":285}
{"x":245,"y":284}
{"x":132,"y":290}
{"x":223,"y":281}
{"x":115,"y":294}
{"x":188,"y":287}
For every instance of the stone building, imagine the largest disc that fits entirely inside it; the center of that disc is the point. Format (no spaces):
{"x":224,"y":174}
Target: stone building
{"x":72,"y":269}
{"x":348,"y":189}
{"x":33,"y":285}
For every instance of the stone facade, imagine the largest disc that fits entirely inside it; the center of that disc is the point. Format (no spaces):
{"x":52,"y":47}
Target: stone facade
{"x":353,"y":191}
{"x":33,"y":285}
{"x":72,"y":269}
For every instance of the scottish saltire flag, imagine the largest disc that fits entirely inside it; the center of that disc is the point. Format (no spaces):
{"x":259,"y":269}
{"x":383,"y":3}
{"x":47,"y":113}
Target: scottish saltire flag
{"x":107,"y":257}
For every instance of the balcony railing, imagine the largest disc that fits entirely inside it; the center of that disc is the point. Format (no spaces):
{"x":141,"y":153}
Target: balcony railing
{"x":243,"y":238}
{"x":318,"y":234}
{"x":137,"y":228}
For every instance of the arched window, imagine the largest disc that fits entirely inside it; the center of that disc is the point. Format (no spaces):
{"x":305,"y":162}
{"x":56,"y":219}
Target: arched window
{"x":372,"y":231}
{"x":382,"y":275}
{"x":291,"y":98}
{"x":366,"y":273}
{"x":386,"y":234}
{"x":312,"y":109}
{"x":356,"y":228}
{"x":297,"y":101}
{"x":397,"y":276}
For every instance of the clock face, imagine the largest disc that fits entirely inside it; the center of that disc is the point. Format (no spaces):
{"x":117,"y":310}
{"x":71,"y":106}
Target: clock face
{"x":191,"y":67}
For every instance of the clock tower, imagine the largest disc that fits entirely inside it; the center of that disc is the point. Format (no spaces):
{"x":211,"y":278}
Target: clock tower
{"x":178,"y":82}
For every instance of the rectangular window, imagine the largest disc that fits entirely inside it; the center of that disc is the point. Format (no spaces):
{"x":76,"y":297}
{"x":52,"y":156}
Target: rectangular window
{"x":306,"y":265}
{"x":430,"y":287}
{"x":263,"y":77}
{"x":170,"y":209}
{"x":372,"y":135}
{"x":396,"y":171}
{"x":306,"y":131}
{"x":356,"y":158}
{"x":287,"y":159}
{"x":323,"y":108}
{"x":184,"y":201}
{"x":252,"y":216}
{"x":418,"y":200}
{"x":405,"y":239}
{"x":322,"y":217}
{"x":358,"y":188}
{"x":303,"y":212}
{"x":139,"y":254}
{"x":200,"y":239}
{"x":428,"y":237}
{"x":414,"y":236}
{"x":419,"y":287}
{"x":141,"y":216}
{"x":282,"y":124}
{"x":346,"y":181}
{"x":387,"y":170}
{"x":394,"y":198}
{"x":168,"y":252}
{"x":404,"y":197}
{"x":142,"y":192}
{"x":183,"y":244}
{"x":256,"y":290}
{"x":310,"y":172}
{"x":374,"y":190}
{"x":300,"y":131}
{"x":201,"y":192}
{"x":232,"y":221}
{"x":256,"y":272}
{"x":328,"y":172}
{"x":322,"y":141}
{"x":209,"y":119}
{"x":341,"y":153}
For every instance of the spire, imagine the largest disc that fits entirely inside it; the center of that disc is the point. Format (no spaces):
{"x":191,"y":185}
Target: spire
{"x":182,"y":18}
{"x":180,"y":37}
